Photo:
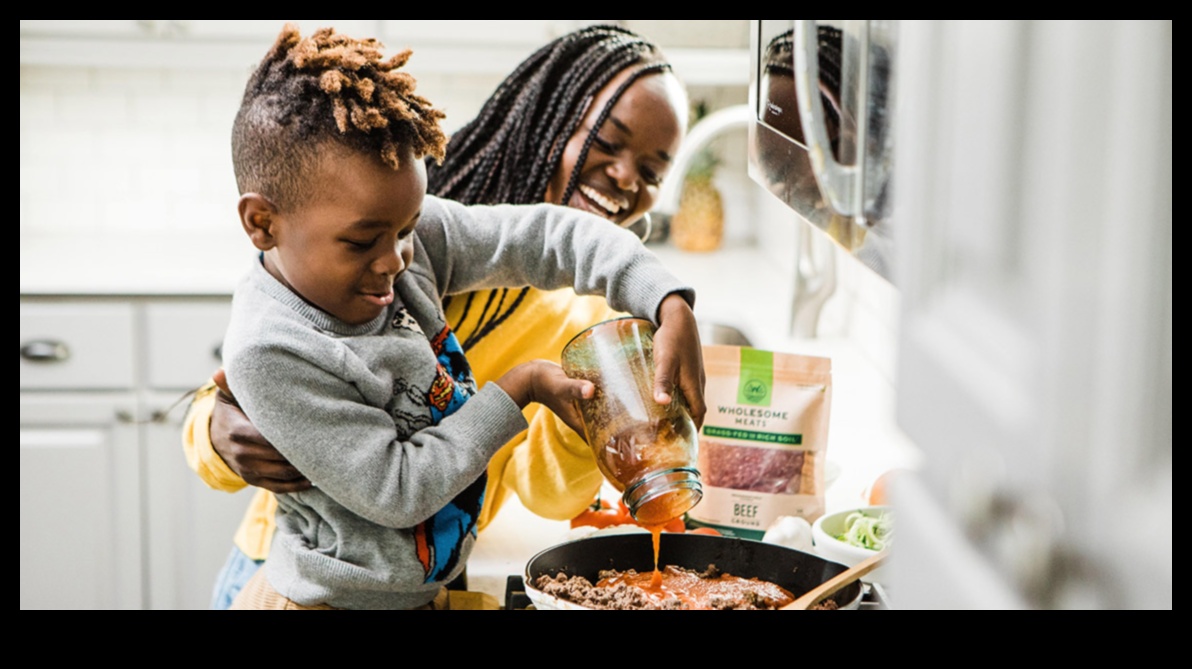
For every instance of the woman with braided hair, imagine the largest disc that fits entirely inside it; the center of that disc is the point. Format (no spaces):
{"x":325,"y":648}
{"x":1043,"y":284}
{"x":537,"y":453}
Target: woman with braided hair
{"x":591,"y":120}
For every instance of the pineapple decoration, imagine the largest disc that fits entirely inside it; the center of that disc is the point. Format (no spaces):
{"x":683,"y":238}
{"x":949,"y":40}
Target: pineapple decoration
{"x":698,"y":225}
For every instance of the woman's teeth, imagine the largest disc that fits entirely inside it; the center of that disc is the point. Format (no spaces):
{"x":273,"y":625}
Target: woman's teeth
{"x":613,"y":208}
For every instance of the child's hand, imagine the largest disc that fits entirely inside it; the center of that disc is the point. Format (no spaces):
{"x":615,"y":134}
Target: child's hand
{"x":544,"y":382}
{"x":678,"y":357}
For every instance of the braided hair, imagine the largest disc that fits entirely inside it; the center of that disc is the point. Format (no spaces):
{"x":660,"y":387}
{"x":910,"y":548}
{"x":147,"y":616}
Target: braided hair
{"x":327,"y":87}
{"x":510,"y":151}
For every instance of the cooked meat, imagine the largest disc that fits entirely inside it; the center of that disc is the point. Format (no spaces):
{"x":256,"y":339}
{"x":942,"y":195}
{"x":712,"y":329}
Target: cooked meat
{"x":681,"y":589}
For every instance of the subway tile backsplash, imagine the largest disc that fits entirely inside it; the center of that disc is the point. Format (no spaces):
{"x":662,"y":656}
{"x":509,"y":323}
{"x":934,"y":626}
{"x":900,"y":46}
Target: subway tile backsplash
{"x":109,"y":149}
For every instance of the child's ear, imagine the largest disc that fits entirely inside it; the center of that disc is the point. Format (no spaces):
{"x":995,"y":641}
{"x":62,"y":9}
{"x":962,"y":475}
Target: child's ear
{"x":258,"y":216}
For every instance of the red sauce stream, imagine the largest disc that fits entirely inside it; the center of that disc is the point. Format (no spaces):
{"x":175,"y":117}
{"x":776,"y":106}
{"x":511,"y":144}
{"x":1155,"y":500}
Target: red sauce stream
{"x":656,"y":581}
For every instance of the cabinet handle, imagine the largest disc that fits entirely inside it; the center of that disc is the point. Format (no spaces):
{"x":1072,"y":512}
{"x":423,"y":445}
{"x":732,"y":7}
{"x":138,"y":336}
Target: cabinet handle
{"x":45,"y":350}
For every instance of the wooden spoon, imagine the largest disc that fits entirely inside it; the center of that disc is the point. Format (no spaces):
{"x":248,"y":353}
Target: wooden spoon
{"x":830,"y":586}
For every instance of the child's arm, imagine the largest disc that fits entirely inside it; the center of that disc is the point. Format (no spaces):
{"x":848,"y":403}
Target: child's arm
{"x":546,"y":246}
{"x":545,"y":383}
{"x":549,"y":246}
{"x":226,"y":450}
{"x":322,"y":410}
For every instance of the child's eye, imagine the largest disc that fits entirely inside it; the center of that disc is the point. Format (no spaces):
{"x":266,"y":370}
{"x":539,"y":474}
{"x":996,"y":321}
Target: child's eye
{"x":360,"y":245}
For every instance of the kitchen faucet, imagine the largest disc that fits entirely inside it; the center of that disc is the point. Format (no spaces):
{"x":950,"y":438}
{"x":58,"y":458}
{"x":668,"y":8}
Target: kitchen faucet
{"x":699,"y":136}
{"x":815,"y":266}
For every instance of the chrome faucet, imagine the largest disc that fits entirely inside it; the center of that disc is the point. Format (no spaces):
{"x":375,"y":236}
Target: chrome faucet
{"x":708,"y":128}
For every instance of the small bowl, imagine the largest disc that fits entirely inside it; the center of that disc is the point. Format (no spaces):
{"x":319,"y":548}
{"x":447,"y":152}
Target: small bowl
{"x":826,"y":529}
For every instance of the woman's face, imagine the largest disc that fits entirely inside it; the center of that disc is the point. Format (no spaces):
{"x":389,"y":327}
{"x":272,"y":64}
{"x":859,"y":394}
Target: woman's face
{"x":631,"y":152}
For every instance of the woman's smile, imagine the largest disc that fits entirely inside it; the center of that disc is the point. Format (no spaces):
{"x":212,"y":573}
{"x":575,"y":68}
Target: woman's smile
{"x":604,"y":205}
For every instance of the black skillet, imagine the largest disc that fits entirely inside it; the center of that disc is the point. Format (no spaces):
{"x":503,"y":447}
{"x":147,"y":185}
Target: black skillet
{"x":794,"y":570}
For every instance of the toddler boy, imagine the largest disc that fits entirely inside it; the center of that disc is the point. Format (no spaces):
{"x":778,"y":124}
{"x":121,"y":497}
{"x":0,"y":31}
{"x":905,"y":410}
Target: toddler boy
{"x":338,"y":350}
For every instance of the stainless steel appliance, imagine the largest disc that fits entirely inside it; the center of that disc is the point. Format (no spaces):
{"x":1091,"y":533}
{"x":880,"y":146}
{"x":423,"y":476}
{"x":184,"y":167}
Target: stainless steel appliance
{"x":822,"y":100}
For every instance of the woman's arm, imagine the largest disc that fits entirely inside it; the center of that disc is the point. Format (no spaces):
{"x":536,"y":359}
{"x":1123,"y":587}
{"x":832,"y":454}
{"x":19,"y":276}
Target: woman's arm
{"x":196,"y":443}
{"x":227,"y":451}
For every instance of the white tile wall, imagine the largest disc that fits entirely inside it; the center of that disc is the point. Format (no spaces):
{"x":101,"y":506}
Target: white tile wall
{"x":148,"y":149}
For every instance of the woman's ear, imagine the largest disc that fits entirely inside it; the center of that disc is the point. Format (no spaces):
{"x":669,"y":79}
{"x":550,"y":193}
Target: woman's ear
{"x":258,"y":216}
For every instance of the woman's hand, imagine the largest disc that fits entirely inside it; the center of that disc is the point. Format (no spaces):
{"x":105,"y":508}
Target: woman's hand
{"x":678,"y":357}
{"x":545,"y":382}
{"x":245,"y":450}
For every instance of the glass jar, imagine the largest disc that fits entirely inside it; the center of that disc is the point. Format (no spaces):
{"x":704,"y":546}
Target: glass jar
{"x":645,"y":449}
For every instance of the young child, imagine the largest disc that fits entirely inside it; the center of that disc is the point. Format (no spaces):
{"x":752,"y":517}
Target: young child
{"x":338,"y":350}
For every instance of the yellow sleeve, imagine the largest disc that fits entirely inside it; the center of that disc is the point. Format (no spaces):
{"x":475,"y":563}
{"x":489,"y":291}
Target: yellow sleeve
{"x":254,"y":537}
{"x":255,"y":534}
{"x":549,"y":467}
{"x":196,"y":443}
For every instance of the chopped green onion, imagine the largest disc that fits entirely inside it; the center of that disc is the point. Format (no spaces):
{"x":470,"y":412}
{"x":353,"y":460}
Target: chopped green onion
{"x":865,"y":531}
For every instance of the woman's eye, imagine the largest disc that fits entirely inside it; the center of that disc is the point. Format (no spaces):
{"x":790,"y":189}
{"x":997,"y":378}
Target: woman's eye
{"x":604,"y":145}
{"x":653,"y":178}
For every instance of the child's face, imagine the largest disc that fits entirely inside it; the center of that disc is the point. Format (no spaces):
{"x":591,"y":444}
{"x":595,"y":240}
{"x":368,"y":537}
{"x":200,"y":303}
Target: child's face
{"x":343,"y":248}
{"x":631,"y":152}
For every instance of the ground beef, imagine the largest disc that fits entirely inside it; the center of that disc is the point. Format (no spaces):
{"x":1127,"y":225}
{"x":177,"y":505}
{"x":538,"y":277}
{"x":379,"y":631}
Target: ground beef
{"x":685,"y":589}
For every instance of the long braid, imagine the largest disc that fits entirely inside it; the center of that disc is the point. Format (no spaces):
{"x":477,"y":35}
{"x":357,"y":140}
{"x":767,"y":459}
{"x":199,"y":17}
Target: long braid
{"x":514,"y":146}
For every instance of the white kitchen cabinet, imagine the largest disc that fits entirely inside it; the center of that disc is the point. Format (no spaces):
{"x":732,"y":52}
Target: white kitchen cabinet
{"x":111,"y":516}
{"x":81,"y":541}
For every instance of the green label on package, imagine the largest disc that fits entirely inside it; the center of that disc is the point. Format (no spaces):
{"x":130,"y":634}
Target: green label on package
{"x":753,"y":435}
{"x":757,"y":377}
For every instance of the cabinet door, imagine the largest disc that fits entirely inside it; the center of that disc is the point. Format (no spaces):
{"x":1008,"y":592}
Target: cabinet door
{"x":80,"y":502}
{"x":183,"y":341}
{"x":189,"y":526}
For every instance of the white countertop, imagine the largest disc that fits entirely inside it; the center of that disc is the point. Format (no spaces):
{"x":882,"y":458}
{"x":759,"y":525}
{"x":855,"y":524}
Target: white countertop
{"x":152,"y":263}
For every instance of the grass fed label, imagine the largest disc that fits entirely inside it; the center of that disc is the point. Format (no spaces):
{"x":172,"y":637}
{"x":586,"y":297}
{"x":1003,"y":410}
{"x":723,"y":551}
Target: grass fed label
{"x":763,"y":444}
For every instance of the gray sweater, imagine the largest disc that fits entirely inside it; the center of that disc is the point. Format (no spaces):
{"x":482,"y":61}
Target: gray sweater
{"x":385,"y":419}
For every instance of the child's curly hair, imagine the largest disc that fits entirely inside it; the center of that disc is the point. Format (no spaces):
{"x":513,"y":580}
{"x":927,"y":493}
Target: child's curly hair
{"x":327,"y":87}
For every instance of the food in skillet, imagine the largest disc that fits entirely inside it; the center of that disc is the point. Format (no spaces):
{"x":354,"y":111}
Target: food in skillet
{"x":681,"y":589}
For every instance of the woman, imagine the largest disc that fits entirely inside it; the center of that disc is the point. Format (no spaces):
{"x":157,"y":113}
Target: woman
{"x":592,"y":120}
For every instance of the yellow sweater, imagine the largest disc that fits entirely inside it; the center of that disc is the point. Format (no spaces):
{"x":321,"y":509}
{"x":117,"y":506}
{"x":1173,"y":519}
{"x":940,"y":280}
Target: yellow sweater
{"x":548,"y":466}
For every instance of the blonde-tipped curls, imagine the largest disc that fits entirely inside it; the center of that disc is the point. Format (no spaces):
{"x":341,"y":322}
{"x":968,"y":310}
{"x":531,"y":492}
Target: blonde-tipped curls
{"x":328,"y":86}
